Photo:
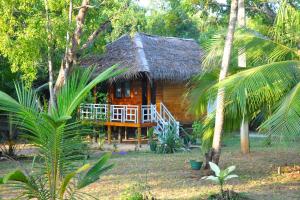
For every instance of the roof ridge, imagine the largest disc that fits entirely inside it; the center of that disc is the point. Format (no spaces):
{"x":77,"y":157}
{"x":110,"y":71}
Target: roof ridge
{"x":167,"y":37}
{"x":141,"y":56}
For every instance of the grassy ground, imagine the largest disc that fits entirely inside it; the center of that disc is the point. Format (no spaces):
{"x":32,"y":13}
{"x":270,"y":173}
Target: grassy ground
{"x":169,"y":176}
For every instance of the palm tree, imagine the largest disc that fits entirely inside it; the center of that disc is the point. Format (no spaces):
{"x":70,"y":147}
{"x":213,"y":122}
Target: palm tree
{"x":242,"y":62}
{"x":273,"y":67}
{"x":219,"y":119}
{"x":58,"y":137}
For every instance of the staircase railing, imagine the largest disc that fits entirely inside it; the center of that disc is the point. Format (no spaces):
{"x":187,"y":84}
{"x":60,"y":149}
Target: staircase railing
{"x":168,"y":117}
{"x":129,"y":113}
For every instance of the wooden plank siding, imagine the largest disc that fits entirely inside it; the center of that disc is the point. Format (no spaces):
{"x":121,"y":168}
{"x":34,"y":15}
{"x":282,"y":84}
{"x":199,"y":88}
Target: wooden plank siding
{"x":172,"y":95}
{"x":168,"y":93}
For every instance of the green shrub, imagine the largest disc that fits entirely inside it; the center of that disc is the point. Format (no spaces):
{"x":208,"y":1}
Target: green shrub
{"x":198,"y":129}
{"x":169,"y":142}
{"x":152,"y":142}
{"x":137,"y":191}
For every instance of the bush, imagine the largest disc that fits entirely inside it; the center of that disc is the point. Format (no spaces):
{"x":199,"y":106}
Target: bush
{"x":137,"y":191}
{"x":198,"y":129}
{"x":169,"y":142}
{"x":152,"y":142}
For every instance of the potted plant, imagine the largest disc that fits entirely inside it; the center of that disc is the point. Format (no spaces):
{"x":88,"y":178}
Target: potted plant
{"x":195,"y":164}
{"x":152,"y":143}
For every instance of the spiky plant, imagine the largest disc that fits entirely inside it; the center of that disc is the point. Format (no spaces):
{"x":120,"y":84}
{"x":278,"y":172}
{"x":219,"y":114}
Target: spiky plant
{"x":58,"y":138}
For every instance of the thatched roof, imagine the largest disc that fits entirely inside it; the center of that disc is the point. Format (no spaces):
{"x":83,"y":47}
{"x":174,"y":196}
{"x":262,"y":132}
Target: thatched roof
{"x":161,"y":58}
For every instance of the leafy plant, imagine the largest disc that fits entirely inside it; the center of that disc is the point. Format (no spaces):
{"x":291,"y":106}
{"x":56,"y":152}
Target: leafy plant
{"x":137,"y":191}
{"x":152,"y":141}
{"x":9,"y":139}
{"x":169,"y":142}
{"x":221,"y":176}
{"x":58,"y":138}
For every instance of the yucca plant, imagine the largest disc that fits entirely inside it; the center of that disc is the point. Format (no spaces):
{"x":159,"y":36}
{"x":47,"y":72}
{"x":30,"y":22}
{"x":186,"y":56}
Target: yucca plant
{"x":169,"y":142}
{"x":58,"y":138}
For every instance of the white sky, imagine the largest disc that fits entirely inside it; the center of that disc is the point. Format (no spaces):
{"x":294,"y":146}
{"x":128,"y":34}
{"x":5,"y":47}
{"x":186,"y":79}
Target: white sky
{"x":146,"y":3}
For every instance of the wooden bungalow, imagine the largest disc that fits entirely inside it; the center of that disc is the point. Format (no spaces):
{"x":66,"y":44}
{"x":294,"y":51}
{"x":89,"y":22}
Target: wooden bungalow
{"x":150,"y":93}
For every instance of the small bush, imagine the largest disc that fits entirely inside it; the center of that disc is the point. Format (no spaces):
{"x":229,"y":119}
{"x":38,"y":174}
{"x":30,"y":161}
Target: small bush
{"x":137,"y":191}
{"x":169,"y":142}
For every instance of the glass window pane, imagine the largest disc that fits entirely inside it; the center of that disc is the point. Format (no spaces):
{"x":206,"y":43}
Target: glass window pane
{"x":127,"y":89}
{"x":118,"y":90}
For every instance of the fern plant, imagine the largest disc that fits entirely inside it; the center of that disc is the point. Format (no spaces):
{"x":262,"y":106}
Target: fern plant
{"x":58,"y":138}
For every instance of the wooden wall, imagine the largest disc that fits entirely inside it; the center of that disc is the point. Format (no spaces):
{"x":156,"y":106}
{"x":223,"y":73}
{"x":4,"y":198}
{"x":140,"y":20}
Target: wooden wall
{"x":135,"y":95}
{"x":172,"y":95}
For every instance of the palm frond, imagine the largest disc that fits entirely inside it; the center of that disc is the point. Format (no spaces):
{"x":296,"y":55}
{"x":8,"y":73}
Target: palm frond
{"x":251,"y":89}
{"x":77,"y":88}
{"x":261,"y":49}
{"x":284,"y":122}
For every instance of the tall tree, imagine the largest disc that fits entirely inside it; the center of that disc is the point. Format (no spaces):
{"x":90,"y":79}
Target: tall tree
{"x":242,"y":62}
{"x":49,"y":56}
{"x":220,"y":104}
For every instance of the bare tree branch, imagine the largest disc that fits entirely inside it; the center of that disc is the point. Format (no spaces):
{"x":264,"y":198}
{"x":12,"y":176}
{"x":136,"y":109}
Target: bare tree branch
{"x":94,"y":35}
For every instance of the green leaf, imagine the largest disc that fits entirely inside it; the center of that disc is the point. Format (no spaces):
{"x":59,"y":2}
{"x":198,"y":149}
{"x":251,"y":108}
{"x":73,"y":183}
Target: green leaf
{"x":215,"y":168}
{"x":230,"y":169}
{"x":93,"y":174}
{"x":68,"y":178}
{"x":230,"y":177}
{"x":16,"y":175}
{"x":213,"y":178}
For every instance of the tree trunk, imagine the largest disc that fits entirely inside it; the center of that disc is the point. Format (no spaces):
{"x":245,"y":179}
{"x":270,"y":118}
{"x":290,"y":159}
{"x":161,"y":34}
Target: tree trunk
{"x":244,"y":129}
{"x":216,"y":145}
{"x":72,"y":46}
{"x":52,"y":101}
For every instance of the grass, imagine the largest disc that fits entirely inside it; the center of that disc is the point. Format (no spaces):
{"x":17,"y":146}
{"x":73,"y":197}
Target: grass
{"x":170,"y":177}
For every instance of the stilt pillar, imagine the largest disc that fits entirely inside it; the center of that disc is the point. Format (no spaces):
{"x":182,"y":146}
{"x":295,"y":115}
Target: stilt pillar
{"x":120,"y":134}
{"x":139,"y":136}
{"x":125,"y":133}
{"x":109,"y":134}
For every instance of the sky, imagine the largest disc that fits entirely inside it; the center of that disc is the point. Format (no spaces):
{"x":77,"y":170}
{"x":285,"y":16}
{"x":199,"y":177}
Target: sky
{"x":145,"y":3}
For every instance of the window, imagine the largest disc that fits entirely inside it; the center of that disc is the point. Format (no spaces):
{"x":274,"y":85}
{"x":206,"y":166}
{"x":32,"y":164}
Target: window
{"x":118,"y":90}
{"x":127,"y":89}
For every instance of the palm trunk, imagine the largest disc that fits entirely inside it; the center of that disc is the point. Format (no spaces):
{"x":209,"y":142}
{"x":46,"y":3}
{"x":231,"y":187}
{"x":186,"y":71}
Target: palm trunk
{"x":244,"y":129}
{"x":216,"y":145}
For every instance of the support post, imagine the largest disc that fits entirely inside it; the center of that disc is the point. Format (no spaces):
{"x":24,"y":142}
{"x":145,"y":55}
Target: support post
{"x":125,"y":132}
{"x":139,"y":136}
{"x":109,"y":134}
{"x":120,"y":134}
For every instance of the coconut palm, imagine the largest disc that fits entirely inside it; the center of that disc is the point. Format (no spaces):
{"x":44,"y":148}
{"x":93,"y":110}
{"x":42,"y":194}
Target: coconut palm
{"x":60,"y":171}
{"x":255,"y":92}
